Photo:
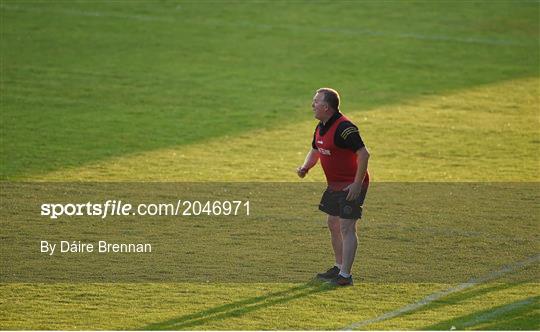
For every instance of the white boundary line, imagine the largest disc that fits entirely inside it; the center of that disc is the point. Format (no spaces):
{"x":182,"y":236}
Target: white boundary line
{"x":493,"y":314}
{"x":266,"y":27}
{"x":74,"y":12}
{"x":435,"y":296}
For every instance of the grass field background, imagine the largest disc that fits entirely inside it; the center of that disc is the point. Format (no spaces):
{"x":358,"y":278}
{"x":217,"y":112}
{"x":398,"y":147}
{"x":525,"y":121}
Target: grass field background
{"x":221,"y":91}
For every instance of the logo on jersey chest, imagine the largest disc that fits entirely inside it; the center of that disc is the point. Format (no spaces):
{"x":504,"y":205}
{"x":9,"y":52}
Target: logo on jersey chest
{"x":320,"y":143}
{"x":324,"y":151}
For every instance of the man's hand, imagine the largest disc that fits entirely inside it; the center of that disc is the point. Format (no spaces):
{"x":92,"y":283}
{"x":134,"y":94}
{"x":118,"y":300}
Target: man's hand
{"x":301,"y":171}
{"x":354,"y":190}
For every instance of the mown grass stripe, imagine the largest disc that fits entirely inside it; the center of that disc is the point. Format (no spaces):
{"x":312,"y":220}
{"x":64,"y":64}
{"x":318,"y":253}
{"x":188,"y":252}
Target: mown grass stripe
{"x":294,"y":28}
{"x":497,"y":312}
{"x":438,"y":295}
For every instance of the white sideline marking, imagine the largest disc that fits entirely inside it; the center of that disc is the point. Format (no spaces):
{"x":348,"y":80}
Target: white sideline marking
{"x":344,"y":31}
{"x":74,"y":12}
{"x":435,"y":296}
{"x":497,"y":312}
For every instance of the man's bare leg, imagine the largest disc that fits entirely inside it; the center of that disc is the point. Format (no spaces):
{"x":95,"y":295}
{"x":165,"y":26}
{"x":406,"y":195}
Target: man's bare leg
{"x":350,"y":243}
{"x":335,"y":233}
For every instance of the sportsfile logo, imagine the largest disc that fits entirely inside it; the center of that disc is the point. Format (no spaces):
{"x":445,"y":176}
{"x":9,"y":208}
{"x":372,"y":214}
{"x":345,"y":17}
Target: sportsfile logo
{"x":119,"y":208}
{"x":110,"y":207}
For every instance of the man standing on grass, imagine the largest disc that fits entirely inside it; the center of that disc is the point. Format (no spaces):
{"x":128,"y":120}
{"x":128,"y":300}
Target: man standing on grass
{"x":344,"y":158}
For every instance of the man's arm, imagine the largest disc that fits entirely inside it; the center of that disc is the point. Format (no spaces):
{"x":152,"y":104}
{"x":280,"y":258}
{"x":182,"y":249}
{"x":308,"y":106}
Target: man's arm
{"x":362,"y":156}
{"x":311,"y":160}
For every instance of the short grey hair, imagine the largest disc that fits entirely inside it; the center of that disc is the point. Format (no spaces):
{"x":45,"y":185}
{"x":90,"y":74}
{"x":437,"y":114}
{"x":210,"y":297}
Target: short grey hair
{"x":331,"y":97}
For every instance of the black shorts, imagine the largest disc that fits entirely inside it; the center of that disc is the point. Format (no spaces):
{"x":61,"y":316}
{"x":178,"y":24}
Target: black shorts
{"x":335,"y":203}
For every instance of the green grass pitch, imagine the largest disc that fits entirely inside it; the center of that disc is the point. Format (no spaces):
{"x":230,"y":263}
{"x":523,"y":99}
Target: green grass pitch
{"x":220,"y":91}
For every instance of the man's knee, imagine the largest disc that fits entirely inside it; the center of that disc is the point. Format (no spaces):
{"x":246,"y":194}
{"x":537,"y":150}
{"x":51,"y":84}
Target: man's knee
{"x":333,"y":224}
{"x":347,"y":226}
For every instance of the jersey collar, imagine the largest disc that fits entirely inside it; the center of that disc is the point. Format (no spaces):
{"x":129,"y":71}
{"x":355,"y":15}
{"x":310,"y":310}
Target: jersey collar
{"x":325,"y":126}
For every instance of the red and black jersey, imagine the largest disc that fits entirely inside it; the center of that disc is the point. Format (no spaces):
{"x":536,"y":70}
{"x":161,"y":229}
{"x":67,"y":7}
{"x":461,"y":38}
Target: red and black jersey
{"x":337,"y":142}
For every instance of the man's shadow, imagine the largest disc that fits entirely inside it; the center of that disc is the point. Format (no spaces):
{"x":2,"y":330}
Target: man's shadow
{"x":239,"y":308}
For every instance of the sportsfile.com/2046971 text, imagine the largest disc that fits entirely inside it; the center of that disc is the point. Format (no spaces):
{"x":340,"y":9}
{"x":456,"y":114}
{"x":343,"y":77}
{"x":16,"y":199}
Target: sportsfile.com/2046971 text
{"x":118,"y":208}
